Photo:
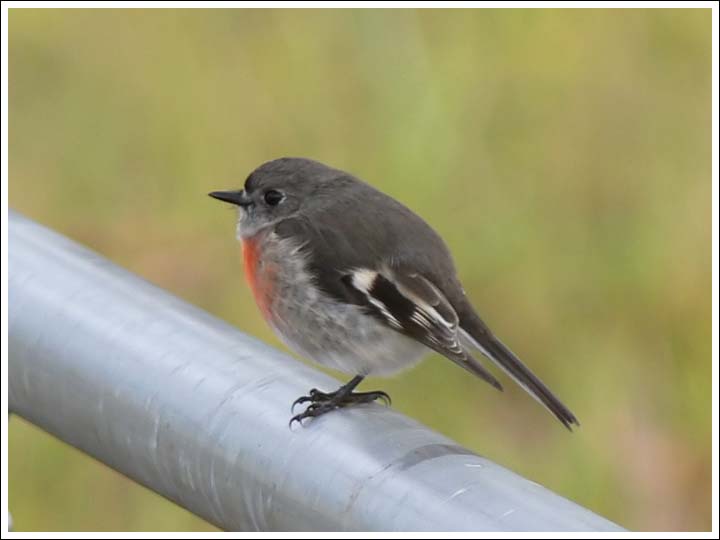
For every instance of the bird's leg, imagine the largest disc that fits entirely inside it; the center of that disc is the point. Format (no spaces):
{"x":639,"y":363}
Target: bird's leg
{"x":322,"y":402}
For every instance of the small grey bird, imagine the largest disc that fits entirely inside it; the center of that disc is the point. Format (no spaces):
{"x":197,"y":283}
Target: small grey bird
{"x":350,"y":278}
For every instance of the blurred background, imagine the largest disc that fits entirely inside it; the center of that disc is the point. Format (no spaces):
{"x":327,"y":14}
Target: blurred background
{"x":564,"y":155}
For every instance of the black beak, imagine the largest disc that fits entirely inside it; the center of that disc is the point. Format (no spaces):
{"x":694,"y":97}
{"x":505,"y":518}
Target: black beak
{"x":239,"y":197}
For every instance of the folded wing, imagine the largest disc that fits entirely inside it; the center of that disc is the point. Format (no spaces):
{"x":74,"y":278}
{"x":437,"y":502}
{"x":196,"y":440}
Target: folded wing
{"x":412,"y":305}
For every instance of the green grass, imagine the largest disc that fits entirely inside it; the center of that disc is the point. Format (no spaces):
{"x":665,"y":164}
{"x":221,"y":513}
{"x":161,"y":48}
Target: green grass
{"x":563,"y":154}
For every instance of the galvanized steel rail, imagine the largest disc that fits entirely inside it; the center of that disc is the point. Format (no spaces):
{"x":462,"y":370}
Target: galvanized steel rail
{"x":197,"y":411}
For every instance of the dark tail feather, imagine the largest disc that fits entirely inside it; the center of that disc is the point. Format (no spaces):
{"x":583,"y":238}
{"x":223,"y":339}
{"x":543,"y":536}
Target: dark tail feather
{"x":476,"y":368}
{"x":496,"y":351}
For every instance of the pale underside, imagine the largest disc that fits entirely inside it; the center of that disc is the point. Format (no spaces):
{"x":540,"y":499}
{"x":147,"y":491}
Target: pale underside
{"x":341,"y":336}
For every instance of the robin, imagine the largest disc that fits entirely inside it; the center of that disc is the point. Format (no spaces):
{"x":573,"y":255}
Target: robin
{"x":352,"y":279}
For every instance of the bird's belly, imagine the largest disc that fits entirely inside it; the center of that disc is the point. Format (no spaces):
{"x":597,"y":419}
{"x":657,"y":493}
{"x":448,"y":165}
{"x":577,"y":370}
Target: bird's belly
{"x":338,"y":335}
{"x":344,"y":338}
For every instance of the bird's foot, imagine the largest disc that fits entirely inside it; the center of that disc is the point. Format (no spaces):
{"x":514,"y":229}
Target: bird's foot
{"x":322,"y":402}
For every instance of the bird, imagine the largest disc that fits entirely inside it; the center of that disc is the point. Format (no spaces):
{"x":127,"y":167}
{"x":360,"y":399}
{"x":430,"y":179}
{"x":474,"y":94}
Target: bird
{"x":354,"y":280}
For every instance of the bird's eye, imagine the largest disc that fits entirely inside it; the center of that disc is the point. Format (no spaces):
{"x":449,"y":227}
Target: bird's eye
{"x":273,"y":197}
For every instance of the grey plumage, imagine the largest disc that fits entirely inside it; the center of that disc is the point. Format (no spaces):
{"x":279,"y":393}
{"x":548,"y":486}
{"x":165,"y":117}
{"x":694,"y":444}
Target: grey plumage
{"x":368,"y":256}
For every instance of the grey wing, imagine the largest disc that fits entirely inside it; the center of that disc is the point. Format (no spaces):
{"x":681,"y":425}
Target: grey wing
{"x":410,"y":304}
{"x":399,"y":296}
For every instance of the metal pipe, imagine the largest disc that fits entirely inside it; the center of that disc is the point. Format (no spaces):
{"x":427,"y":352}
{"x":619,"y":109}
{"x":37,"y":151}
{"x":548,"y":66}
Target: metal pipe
{"x":197,"y":411}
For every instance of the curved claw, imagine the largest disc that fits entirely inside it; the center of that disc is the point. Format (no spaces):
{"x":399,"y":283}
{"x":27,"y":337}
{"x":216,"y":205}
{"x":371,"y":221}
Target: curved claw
{"x":297,"y":418}
{"x":313,"y":410}
{"x":298,"y":401}
{"x":303,"y":415}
